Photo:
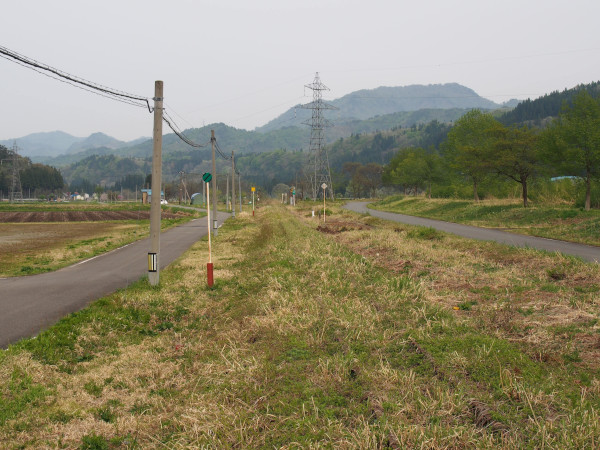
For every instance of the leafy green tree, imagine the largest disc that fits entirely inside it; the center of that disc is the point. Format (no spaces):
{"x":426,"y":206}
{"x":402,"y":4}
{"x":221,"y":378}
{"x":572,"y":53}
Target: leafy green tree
{"x":516,"y":155}
{"x":469,"y":144}
{"x":355,"y":186}
{"x":369,"y":176}
{"x":572,"y":142}
{"x":414,"y":168}
{"x":406,"y":169}
{"x":433,"y":170}
{"x":278,"y":189}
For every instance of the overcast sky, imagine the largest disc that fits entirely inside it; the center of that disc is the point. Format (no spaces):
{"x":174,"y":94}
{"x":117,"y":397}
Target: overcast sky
{"x":244,"y":62}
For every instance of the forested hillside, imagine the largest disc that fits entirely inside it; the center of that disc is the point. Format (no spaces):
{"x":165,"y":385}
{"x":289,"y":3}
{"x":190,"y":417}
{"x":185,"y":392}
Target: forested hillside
{"x":103,"y":170}
{"x":279,"y":156}
{"x":288,"y":167}
{"x":549,"y":105}
{"x":267,"y":157}
{"x":369,"y":103}
{"x":37,"y":179}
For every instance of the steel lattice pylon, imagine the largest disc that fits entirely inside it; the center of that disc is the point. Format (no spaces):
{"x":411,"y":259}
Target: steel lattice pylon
{"x":318,"y":161}
{"x":16,"y":190}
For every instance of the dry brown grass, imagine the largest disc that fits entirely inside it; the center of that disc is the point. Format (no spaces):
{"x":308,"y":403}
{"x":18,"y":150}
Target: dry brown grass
{"x":518,"y":294}
{"x":303,"y":343}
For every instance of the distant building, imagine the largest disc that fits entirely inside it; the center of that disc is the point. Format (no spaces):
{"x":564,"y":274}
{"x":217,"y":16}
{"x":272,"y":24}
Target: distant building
{"x":147,"y":195}
{"x":197,"y":199}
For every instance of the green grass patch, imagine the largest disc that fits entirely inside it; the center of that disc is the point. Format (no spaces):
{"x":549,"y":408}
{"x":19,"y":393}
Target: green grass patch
{"x":20,"y":393}
{"x":556,"y":222}
{"x":302,"y":343}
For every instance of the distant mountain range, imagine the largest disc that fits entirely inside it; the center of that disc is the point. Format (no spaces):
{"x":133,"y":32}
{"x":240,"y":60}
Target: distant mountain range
{"x":358,"y":112}
{"x":55,"y":143}
{"x":368,"y":103}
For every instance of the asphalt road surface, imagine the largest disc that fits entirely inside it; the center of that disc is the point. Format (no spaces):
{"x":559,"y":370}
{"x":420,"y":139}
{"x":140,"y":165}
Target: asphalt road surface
{"x":31,"y":304}
{"x":585,"y":252}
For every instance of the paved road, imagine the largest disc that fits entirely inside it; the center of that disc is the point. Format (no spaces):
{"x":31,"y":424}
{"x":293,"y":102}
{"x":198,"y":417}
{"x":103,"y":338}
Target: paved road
{"x":30,"y":304}
{"x":586,"y":252}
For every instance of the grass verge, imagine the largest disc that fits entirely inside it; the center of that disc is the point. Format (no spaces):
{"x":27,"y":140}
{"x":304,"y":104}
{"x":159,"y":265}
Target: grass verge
{"x":320,"y":336}
{"x":561,"y":222}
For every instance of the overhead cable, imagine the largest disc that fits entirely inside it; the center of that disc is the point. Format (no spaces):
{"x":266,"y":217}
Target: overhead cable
{"x":221,"y":153}
{"x":25,"y":61}
{"x":95,"y":88}
{"x":173,"y":126}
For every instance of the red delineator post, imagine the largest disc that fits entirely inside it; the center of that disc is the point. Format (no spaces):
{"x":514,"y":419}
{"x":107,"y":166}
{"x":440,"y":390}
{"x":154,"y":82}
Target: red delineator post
{"x":209,"y":274}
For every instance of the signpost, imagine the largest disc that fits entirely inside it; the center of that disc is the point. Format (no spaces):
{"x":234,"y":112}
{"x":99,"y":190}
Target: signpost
{"x":324,"y":186}
{"x":253,"y":190}
{"x":207,"y":177}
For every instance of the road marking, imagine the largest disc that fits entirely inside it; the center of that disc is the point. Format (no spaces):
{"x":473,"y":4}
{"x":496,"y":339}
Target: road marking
{"x":98,"y":256}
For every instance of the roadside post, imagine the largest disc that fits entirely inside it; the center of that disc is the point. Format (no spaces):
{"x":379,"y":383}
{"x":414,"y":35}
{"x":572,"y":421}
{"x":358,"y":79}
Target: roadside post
{"x":207,"y":177}
{"x":253,"y":190}
{"x":214,"y":183}
{"x":324,"y":186}
{"x":155,"y":209}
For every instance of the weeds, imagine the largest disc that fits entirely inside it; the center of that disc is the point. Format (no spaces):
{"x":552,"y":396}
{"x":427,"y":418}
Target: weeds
{"x":558,"y":221}
{"x":312,"y":339}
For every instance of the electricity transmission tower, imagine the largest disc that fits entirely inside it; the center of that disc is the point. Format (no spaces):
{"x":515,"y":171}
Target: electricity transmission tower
{"x":318,"y":161}
{"x":16,"y":190}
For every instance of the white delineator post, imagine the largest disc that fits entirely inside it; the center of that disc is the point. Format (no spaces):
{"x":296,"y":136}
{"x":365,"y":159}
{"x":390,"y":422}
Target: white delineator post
{"x":324,"y":186}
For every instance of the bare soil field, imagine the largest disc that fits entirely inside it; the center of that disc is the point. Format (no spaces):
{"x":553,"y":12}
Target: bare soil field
{"x":75,"y":216}
{"x":40,"y":241}
{"x":26,"y":237}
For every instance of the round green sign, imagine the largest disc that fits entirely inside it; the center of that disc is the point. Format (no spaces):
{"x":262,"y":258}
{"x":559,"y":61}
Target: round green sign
{"x":207,"y":177}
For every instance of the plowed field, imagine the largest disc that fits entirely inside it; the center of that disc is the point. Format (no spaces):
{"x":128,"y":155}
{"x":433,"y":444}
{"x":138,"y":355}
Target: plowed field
{"x":75,"y":216}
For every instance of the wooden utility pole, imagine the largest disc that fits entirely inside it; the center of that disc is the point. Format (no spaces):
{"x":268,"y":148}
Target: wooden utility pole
{"x":180,"y":186}
{"x":232,"y":185}
{"x":214,"y":182}
{"x":153,"y":255}
{"x":240,"y":190}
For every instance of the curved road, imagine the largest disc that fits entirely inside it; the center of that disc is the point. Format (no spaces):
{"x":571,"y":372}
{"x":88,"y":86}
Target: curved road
{"x":585,"y":252}
{"x":30,"y":304}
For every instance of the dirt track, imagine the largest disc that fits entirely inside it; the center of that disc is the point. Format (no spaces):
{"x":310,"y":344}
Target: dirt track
{"x":75,"y":216}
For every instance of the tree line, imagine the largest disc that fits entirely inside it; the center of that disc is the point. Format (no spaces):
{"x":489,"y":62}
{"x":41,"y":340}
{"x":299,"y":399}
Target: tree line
{"x":479,"y":148}
{"x":38,"y":178}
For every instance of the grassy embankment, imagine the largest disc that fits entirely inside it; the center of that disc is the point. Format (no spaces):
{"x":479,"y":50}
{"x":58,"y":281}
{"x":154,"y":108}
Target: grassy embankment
{"x":31,"y":248}
{"x":562,"y":222}
{"x":361,"y":334}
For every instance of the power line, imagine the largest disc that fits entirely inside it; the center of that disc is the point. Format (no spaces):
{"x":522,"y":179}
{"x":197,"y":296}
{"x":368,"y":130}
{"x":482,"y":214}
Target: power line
{"x":173,"y":126}
{"x":90,"y":86}
{"x":122,"y":100}
{"x":178,"y":115}
{"x":221,"y":153}
{"x":37,"y":66}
